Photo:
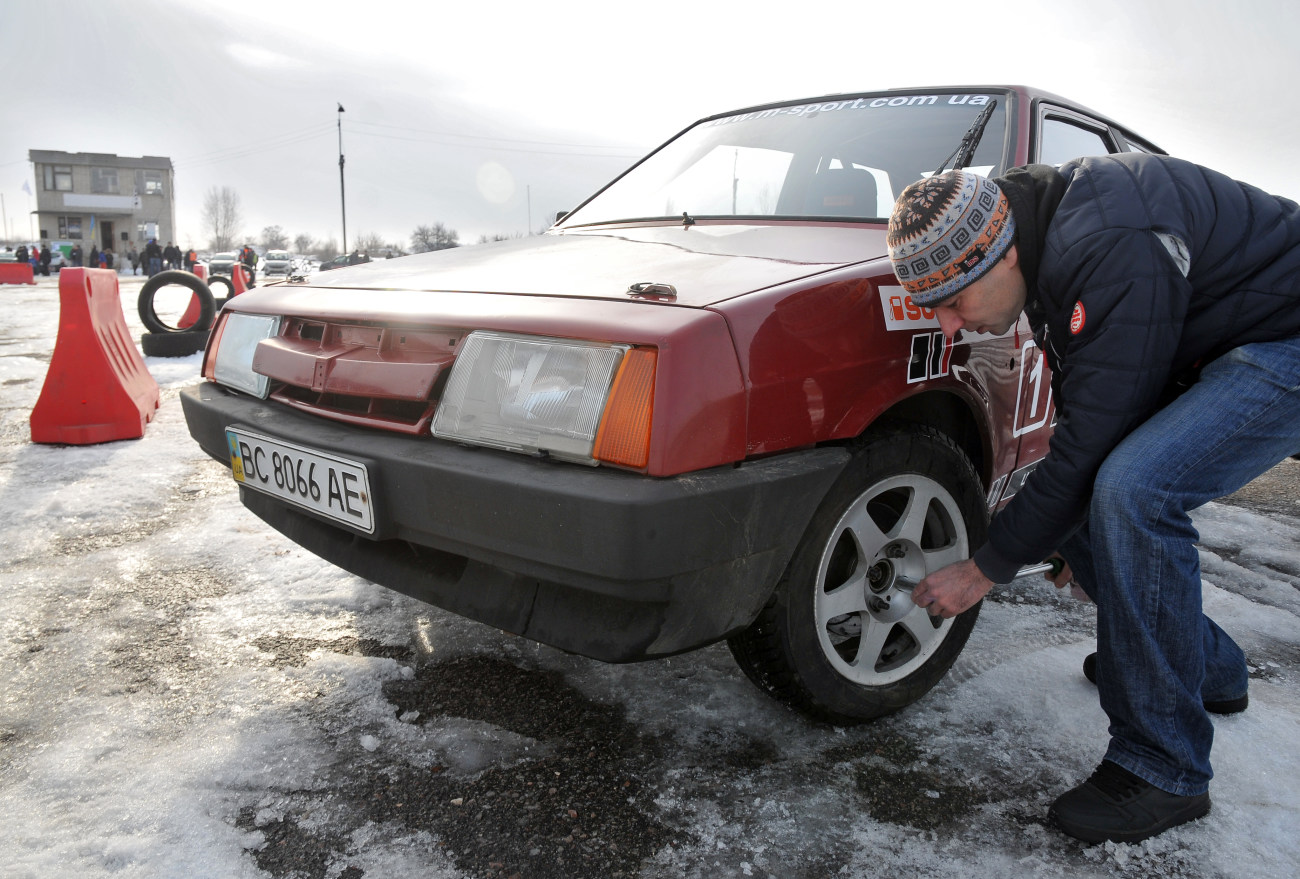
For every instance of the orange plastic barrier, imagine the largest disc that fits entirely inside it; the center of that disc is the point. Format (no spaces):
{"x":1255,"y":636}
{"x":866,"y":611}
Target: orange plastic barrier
{"x":17,"y":273}
{"x":97,"y":389}
{"x":191,"y":315}
{"x":239,"y":273}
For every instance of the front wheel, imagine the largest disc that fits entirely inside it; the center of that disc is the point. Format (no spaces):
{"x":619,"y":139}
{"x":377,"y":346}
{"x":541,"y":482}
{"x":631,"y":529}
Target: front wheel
{"x":841,"y":640}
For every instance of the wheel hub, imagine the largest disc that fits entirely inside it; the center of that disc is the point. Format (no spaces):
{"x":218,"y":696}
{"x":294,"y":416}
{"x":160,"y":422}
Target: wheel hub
{"x":890,"y":581}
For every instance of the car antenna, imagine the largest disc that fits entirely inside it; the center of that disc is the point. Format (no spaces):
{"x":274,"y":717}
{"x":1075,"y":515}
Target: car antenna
{"x":965,"y":151}
{"x":686,"y":219}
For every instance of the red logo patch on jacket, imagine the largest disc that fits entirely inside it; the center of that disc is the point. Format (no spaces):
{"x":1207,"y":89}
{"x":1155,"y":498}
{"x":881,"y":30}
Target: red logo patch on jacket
{"x":1077,"y":319}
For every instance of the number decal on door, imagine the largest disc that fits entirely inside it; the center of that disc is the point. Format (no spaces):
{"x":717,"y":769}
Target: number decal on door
{"x":1034,"y":394}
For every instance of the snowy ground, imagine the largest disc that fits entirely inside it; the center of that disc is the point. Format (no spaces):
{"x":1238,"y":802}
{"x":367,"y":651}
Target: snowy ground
{"x":185,"y":693}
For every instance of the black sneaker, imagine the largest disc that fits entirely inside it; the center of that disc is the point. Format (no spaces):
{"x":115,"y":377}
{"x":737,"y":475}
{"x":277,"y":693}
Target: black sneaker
{"x":1116,"y":805}
{"x":1214,"y":706}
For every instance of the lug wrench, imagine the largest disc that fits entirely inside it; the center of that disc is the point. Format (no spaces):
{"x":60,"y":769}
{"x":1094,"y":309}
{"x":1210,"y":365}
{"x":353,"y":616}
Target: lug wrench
{"x":1054,"y":566}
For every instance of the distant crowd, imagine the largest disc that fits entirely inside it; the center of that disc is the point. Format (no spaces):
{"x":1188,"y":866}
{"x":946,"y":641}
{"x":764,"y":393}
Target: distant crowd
{"x":151,"y":260}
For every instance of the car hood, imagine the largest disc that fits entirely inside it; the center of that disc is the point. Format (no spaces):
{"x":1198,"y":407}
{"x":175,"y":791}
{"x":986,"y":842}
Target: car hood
{"x":704,"y":263}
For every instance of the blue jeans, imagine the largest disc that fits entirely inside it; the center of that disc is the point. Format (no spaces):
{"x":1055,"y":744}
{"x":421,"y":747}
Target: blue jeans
{"x":1158,"y":655}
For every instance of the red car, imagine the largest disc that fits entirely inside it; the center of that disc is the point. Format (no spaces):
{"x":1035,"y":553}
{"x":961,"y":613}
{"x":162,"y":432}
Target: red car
{"x":698,"y":408}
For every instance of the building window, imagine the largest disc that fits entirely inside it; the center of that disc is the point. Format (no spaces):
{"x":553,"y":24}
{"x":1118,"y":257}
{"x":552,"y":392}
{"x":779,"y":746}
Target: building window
{"x":69,"y":227}
{"x":58,"y":178}
{"x":103,"y":180}
{"x":148,"y":182}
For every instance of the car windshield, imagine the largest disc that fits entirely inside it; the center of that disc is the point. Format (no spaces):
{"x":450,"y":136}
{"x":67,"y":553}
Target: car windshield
{"x":845,"y":158}
{"x":277,"y":254}
{"x":224,"y":256}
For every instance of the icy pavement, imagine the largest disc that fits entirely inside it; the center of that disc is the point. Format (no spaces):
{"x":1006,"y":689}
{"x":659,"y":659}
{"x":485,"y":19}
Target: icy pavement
{"x":185,"y":693}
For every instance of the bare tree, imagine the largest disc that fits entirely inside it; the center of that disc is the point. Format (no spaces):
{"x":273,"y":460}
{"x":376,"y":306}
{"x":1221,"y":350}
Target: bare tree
{"x":274,"y":238}
{"x":302,"y":243}
{"x":371,"y":243}
{"x":327,"y":249}
{"x":435,"y":237}
{"x":499,"y":236}
{"x":222,"y":217}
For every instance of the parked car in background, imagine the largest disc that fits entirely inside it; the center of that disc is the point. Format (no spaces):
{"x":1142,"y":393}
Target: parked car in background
{"x":344,"y":259}
{"x":699,"y":407}
{"x":222,"y":263}
{"x":277,"y":262}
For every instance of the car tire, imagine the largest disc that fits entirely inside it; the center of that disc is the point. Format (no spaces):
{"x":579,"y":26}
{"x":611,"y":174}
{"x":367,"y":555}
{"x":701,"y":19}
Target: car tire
{"x":222,"y":281}
{"x":840,"y":640}
{"x":149,"y":314}
{"x":173,"y":344}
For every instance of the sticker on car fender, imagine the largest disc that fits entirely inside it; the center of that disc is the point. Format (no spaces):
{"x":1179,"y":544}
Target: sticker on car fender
{"x":931,"y":357}
{"x":901,"y":313}
{"x":326,"y":484}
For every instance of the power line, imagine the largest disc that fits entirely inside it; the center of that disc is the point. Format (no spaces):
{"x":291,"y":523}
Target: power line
{"x":250,"y":149}
{"x":545,"y":152}
{"x":483,"y":137}
{"x":303,"y":135}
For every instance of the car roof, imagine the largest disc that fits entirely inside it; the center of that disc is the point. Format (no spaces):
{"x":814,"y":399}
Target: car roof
{"x":1029,"y":94}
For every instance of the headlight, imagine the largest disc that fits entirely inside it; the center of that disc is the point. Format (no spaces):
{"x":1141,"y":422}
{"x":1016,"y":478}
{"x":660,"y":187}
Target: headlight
{"x":234,"y":359}
{"x":528,"y":394}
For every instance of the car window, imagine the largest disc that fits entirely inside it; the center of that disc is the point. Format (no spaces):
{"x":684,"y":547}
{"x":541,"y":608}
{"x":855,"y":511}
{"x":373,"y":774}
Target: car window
{"x":1062,"y":139}
{"x":843,"y":158}
{"x":1138,"y":147}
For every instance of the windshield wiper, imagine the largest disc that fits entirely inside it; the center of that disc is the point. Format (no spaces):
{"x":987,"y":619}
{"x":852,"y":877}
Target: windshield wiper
{"x":961,"y":157}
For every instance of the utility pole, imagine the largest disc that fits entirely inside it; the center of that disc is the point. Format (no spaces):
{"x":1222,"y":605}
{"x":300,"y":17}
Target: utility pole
{"x":343,"y":202}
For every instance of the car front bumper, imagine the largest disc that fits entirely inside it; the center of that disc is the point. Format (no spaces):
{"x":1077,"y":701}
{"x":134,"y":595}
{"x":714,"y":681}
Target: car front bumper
{"x":605,"y":563}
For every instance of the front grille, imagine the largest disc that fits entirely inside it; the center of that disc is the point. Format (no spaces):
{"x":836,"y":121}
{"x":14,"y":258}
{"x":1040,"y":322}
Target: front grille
{"x":387,"y":377}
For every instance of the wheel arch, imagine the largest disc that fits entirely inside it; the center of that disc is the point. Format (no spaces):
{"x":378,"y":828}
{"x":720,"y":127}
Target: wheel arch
{"x":950,"y":414}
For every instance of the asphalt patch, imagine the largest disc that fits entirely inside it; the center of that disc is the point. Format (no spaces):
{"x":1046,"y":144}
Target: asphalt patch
{"x":581,"y":809}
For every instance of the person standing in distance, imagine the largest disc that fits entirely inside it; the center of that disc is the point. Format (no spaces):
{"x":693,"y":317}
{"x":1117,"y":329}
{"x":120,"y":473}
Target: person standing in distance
{"x":1166,"y":298}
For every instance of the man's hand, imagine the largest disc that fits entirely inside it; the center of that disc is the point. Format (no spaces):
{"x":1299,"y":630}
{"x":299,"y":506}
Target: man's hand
{"x":951,"y":590}
{"x":1065,"y":579}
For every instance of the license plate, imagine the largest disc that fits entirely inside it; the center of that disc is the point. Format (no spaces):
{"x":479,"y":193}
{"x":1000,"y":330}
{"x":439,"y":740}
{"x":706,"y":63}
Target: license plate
{"x":326,"y":484}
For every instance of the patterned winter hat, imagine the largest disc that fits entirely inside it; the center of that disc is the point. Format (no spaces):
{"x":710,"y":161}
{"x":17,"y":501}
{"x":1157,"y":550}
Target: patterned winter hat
{"x":946,"y":232}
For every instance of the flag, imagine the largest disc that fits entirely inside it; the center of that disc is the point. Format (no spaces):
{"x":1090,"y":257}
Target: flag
{"x":28,"y":189}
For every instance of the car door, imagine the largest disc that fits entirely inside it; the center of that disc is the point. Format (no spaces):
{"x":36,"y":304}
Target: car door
{"x":1060,"y":134}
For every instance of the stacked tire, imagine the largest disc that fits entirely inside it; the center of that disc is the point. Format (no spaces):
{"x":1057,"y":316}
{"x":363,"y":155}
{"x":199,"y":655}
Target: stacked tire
{"x":224,"y":282}
{"x":165,"y":337}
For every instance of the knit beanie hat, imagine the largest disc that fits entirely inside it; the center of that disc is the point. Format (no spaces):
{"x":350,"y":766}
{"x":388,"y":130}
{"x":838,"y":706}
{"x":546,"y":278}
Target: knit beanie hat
{"x":946,"y":232}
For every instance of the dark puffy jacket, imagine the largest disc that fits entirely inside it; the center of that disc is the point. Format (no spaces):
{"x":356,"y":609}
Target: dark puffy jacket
{"x":1140,"y":268}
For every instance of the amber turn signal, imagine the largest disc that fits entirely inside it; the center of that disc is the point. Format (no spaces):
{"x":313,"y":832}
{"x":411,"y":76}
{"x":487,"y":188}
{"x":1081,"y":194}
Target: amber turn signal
{"x":624,"y":434}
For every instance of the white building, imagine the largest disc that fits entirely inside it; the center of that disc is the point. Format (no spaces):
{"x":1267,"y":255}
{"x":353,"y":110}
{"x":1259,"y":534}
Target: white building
{"x":103,"y":200}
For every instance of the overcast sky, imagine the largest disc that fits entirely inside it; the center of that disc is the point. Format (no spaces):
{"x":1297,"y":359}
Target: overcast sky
{"x":490,"y":117}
